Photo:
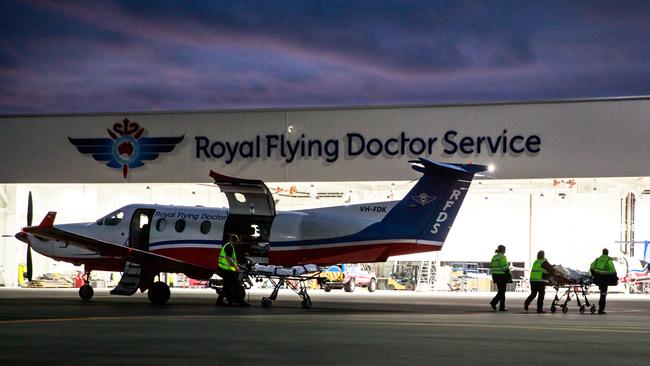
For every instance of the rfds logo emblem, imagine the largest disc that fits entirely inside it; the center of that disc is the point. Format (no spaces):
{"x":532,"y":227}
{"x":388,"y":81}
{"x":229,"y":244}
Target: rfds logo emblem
{"x":126,"y":148}
{"x":423,"y":198}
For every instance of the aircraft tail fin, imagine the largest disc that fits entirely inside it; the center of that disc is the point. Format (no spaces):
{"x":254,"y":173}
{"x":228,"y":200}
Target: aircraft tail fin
{"x":430,"y":208}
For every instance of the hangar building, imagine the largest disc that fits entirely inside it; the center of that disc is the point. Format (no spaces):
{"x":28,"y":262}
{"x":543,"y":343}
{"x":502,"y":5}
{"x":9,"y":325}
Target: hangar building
{"x":569,"y":177}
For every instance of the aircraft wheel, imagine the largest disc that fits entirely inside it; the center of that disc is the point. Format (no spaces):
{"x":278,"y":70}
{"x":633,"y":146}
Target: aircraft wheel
{"x":372,"y":286}
{"x":266,"y":303}
{"x":86,"y":292}
{"x":158,"y":293}
{"x":565,"y":309}
{"x":350,"y":286}
{"x":306,"y":304}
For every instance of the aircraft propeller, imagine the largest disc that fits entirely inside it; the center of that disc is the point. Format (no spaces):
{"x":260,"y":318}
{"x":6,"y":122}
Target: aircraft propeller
{"x":29,"y":246}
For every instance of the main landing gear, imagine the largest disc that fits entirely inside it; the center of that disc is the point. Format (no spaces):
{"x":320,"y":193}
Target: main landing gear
{"x":86,"y":291}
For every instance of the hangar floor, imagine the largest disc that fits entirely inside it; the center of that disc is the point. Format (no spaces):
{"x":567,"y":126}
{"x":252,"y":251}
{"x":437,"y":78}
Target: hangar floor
{"x":383,"y":328}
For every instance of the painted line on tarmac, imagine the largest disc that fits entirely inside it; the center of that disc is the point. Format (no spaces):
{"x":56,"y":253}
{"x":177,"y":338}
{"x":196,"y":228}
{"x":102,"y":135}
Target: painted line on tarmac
{"x":275,"y":319}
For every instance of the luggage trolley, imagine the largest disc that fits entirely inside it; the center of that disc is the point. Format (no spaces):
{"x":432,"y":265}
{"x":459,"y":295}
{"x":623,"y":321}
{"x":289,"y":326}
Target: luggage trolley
{"x":576,"y":283}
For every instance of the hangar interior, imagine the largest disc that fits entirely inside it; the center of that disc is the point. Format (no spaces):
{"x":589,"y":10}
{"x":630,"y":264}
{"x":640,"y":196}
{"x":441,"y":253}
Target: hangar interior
{"x":571,"y":219}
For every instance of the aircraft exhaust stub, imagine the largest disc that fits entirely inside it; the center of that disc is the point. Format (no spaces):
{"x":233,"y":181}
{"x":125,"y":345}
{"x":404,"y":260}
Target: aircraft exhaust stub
{"x":451,"y":143}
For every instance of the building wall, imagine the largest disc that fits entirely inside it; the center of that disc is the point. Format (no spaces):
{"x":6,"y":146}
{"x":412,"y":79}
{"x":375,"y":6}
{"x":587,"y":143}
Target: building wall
{"x":566,"y":139}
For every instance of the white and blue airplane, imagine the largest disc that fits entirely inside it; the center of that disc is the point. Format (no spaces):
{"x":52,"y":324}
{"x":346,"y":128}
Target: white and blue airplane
{"x":143,"y":240}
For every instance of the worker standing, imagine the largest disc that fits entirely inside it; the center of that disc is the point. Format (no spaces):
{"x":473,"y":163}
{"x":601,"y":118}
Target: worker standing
{"x":501,"y":276}
{"x":228,"y":270}
{"x":604,"y":274}
{"x":538,"y":280}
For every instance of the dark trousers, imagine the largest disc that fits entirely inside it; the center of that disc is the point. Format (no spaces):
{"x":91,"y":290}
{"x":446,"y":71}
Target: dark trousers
{"x":500,"y":298}
{"x":603,"y":297}
{"x":537,"y":288}
{"x":230,"y":284}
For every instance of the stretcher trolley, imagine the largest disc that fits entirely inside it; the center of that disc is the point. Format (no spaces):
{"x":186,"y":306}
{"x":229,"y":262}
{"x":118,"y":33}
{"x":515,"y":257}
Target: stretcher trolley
{"x":574,"y":283}
{"x":296,"y":278}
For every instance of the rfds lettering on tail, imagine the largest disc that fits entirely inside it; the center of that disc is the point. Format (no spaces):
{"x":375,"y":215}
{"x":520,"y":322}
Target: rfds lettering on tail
{"x":442,"y":215}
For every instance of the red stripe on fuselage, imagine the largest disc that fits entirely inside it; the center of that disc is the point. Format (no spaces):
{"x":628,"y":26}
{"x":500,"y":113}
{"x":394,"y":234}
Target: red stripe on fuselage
{"x":203,"y":257}
{"x":347,"y":254}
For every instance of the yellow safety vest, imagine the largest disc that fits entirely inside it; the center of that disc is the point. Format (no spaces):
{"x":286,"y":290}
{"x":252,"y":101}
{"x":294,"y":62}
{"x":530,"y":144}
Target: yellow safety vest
{"x":223,"y":260}
{"x":499,"y":264}
{"x":537,"y":272}
{"x":603,"y":265}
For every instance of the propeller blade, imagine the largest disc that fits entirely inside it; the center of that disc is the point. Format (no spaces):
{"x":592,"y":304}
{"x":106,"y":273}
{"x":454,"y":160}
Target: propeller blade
{"x":30,"y":214}
{"x":30,"y":209}
{"x":28,"y":274}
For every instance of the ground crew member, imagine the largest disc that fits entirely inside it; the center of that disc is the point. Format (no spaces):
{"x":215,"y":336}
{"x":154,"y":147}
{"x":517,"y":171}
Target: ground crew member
{"x":538,"y":280}
{"x":229,"y":272}
{"x":604,"y":274}
{"x":501,"y":276}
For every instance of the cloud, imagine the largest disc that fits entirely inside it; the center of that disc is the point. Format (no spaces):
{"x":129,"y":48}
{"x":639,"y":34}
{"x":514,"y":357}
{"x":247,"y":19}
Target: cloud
{"x":164,"y":55}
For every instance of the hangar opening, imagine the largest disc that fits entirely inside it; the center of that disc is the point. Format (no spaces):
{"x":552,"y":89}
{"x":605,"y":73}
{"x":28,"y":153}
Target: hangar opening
{"x":569,"y":180}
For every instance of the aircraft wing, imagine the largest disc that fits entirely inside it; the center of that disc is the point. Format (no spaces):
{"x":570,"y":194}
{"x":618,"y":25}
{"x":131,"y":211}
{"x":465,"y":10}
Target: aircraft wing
{"x":148,"y":260}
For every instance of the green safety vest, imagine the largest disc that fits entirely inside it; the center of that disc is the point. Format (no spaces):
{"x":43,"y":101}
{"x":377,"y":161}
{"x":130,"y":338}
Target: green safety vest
{"x":223,"y":261}
{"x":603,"y":265}
{"x":499,"y":264}
{"x":537,"y":272}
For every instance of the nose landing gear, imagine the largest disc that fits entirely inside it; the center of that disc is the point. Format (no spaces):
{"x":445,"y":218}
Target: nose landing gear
{"x":86,"y":291}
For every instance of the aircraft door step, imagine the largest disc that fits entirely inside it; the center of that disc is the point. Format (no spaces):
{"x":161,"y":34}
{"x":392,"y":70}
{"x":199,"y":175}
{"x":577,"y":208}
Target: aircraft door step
{"x":130,"y":280}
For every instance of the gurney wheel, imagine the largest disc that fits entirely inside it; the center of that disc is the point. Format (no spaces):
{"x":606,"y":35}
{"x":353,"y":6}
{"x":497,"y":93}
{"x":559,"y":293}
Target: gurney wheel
{"x":582,"y":309}
{"x":593,"y":309}
{"x":306,"y":304}
{"x":553,"y":308}
{"x":565,"y":309}
{"x":266,"y":303}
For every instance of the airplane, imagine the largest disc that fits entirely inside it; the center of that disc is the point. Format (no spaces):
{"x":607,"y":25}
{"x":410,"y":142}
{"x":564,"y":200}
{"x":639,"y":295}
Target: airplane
{"x":144,"y":240}
{"x":637,"y":267}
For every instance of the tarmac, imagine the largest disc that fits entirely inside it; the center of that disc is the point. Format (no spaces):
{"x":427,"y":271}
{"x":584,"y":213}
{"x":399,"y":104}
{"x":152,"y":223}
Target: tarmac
{"x":54,"y":327}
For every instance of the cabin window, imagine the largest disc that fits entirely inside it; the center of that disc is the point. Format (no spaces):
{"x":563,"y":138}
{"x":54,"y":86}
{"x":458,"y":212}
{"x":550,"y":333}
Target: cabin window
{"x":111,"y":219}
{"x":205,"y":227}
{"x":180,"y":225}
{"x":161,"y":224}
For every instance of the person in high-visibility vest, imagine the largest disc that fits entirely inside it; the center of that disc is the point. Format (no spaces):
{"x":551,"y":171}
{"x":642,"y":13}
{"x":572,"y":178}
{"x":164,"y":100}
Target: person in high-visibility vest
{"x":501,"y":276}
{"x":538,"y":280}
{"x":604,"y":274}
{"x":229,"y":271}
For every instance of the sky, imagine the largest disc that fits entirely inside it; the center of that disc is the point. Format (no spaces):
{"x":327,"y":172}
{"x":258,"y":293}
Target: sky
{"x":117,"y":56}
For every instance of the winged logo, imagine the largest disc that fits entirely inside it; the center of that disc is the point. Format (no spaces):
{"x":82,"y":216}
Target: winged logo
{"x":126,"y":148}
{"x":423,"y":198}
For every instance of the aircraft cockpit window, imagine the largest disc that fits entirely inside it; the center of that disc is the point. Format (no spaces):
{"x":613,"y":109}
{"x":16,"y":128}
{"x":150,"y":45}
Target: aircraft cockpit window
{"x":161,"y":224}
{"x":111,"y":219}
{"x":205,"y":227}
{"x":180,"y":225}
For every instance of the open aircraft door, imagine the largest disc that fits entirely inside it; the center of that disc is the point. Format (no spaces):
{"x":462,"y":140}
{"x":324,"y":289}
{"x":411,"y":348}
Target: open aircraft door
{"x":250,"y":215}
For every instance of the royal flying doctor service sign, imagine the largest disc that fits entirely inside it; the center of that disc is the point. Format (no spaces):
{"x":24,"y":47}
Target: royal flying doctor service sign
{"x":353,"y":145}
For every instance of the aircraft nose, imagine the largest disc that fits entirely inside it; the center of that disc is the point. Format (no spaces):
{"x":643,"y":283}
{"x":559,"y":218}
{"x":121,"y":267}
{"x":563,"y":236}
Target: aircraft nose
{"x":22,"y":236}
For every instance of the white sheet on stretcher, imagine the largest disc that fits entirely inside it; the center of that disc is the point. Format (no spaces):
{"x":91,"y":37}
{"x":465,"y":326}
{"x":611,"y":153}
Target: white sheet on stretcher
{"x":283,"y":271}
{"x":572,"y":275}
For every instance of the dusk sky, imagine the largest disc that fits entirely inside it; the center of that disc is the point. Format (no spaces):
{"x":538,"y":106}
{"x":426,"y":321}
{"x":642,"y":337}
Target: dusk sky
{"x":105,"y":56}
